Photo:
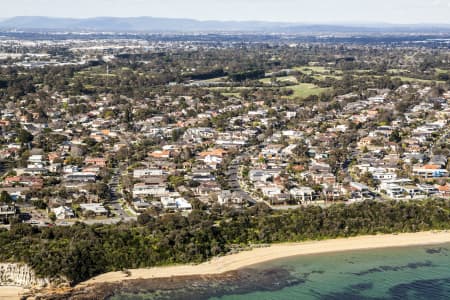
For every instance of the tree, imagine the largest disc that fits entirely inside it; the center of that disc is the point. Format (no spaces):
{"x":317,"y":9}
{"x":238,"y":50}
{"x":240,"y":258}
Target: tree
{"x":368,"y":179}
{"x":52,"y":216}
{"x":395,"y":136}
{"x":24,"y":136}
{"x":40,"y":204}
{"x":5,"y":197}
{"x":145,"y":218}
{"x":89,"y":214}
{"x":175,"y":181}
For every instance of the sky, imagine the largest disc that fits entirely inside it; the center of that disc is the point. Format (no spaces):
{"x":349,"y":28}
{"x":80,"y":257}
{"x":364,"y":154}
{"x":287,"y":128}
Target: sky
{"x":301,"y":11}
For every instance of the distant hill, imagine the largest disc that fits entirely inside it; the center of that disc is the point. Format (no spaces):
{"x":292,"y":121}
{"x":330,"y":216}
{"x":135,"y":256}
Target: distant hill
{"x":150,"y":24}
{"x":143,"y":24}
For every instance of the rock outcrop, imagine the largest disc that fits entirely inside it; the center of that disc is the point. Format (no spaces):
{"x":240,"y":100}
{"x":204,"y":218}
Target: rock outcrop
{"x":22,"y":275}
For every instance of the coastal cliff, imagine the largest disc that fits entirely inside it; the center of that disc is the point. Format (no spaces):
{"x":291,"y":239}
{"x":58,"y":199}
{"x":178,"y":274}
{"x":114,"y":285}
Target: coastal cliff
{"x":22,"y":275}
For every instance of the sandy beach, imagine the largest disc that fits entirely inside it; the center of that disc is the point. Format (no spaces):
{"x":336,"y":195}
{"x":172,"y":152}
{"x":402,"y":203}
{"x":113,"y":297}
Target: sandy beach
{"x":259,"y":255}
{"x":11,"y":292}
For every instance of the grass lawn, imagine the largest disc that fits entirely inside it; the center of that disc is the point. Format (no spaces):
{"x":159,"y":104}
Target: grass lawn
{"x":228,"y":89}
{"x":129,"y":212}
{"x":310,"y":69}
{"x":93,"y":73}
{"x":231,"y":94}
{"x":303,"y":90}
{"x":319,"y":72}
{"x":282,"y":79}
{"x":439,"y":71}
{"x":403,"y":78}
{"x":217,"y":79}
{"x":397,"y":71}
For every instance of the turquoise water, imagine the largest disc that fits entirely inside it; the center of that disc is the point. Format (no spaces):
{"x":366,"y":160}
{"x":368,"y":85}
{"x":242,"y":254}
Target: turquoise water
{"x":396,"y":273}
{"x":399,"y":273}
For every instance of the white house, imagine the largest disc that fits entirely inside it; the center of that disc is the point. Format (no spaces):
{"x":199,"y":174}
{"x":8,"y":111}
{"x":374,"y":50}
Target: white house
{"x":81,"y":177}
{"x":144,"y":189}
{"x":63,"y":212}
{"x":168,"y":203}
{"x":302,"y":193}
{"x":393,"y":190}
{"x":183,"y":204}
{"x":138,"y":173}
{"x":97,"y":208}
{"x":36,"y":159}
{"x":271,"y":191}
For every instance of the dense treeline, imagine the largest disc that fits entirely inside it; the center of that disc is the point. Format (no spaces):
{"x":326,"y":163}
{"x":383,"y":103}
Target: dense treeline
{"x":207,"y":75}
{"x":247,"y":75}
{"x":80,"y":251}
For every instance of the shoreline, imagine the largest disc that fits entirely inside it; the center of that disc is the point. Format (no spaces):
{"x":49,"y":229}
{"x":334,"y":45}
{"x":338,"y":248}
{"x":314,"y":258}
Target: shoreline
{"x":244,"y":259}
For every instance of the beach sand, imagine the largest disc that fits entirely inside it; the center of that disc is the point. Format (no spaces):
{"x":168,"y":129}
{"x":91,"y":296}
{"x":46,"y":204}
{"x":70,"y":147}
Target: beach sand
{"x":11,"y":292}
{"x":244,"y":259}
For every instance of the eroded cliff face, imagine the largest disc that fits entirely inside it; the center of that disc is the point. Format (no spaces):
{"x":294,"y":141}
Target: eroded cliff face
{"x":21,"y":275}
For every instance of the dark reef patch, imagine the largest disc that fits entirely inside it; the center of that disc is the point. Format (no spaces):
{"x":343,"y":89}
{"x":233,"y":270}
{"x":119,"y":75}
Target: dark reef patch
{"x":436,"y":289}
{"x":422,"y":289}
{"x":362,"y":286}
{"x":187,"y":287}
{"x":436,"y":250}
{"x":306,"y":275}
{"x":380,"y":269}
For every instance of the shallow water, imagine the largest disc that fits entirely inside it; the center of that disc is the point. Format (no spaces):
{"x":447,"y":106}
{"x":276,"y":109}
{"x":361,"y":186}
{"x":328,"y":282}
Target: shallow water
{"x":395,"y":273}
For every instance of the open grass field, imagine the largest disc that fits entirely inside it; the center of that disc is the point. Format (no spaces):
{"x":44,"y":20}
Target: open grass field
{"x":303,"y":90}
{"x":396,"y":71}
{"x":282,"y":79}
{"x":228,"y":89}
{"x":237,"y":95}
{"x":217,"y":79}
{"x":439,"y":71}
{"x":311,"y":69}
{"x":229,"y":92}
{"x":410,"y":79}
{"x":320,"y":72}
{"x":324,"y":76}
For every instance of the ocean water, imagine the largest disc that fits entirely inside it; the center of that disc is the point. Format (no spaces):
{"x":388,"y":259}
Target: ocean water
{"x":396,"y":273}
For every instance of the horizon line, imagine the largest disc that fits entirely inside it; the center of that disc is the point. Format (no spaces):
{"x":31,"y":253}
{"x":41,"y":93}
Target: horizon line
{"x":341,"y":23}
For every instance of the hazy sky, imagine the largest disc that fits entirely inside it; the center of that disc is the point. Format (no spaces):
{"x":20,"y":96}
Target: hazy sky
{"x":310,"y":11}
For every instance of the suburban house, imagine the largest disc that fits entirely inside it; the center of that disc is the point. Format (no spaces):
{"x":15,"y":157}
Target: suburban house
{"x":429,"y":190}
{"x":149,"y":189}
{"x":359,"y":191}
{"x":444,"y":190}
{"x":140,"y":206}
{"x":139,"y":173}
{"x":392,"y":190}
{"x":226,"y":197}
{"x":97,"y":161}
{"x":323,"y":178}
{"x":430,"y":171}
{"x":271,"y":191}
{"x":63,"y":212}
{"x":161,"y":154}
{"x":97,"y":208}
{"x":7,"y":212}
{"x":414,"y":192}
{"x":302,"y":193}
{"x":80,"y":177}
{"x":176,"y":203}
